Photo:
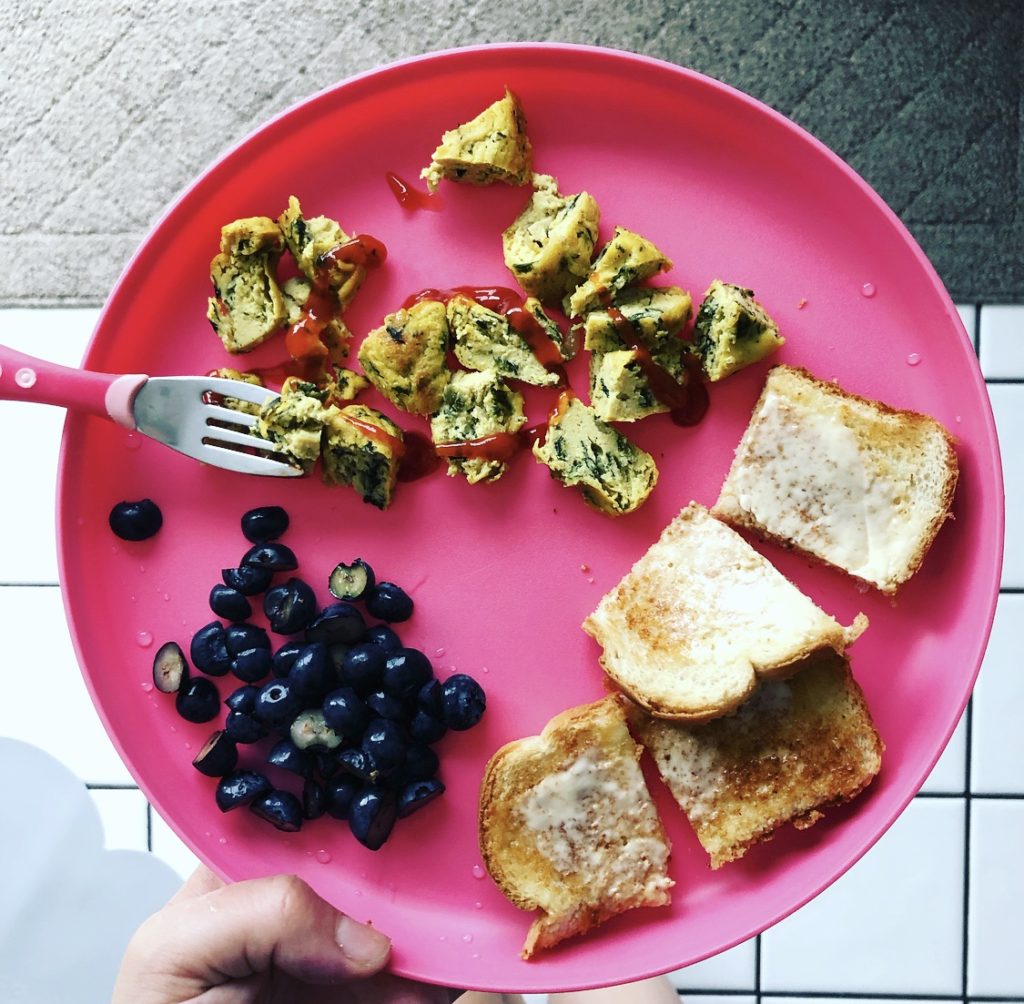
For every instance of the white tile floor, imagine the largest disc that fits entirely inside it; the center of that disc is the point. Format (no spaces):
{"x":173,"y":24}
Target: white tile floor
{"x":946,"y":880}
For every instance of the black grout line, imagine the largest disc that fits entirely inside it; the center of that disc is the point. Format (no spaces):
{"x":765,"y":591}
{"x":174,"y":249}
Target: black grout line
{"x":850,"y":995}
{"x":757,"y":968}
{"x":149,"y":827}
{"x":966,"y":907}
{"x":976,"y":333}
{"x":1011,"y":381}
{"x":117,"y":786}
{"x":32,"y":585}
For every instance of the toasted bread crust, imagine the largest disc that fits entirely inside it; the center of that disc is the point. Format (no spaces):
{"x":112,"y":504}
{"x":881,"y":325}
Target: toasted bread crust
{"x":892,"y":430}
{"x":576,"y":789}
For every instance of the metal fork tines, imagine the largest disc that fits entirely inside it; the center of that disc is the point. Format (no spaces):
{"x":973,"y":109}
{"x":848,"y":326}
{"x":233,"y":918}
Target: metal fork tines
{"x":184,"y":413}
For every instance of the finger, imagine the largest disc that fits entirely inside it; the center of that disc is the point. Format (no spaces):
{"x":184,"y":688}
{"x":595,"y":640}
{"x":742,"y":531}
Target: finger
{"x":240,"y":929}
{"x":200,"y":882}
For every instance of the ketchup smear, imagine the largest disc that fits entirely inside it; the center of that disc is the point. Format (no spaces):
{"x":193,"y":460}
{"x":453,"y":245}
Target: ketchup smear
{"x":409,"y":197}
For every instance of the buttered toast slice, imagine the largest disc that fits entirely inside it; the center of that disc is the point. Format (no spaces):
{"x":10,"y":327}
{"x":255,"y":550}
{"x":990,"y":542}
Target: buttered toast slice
{"x":568,"y":826}
{"x":796,"y":746}
{"x":849,"y":481}
{"x":701,"y":616}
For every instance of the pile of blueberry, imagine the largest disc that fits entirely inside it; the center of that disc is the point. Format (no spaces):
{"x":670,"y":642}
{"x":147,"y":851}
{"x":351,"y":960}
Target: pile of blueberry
{"x":344,"y":705}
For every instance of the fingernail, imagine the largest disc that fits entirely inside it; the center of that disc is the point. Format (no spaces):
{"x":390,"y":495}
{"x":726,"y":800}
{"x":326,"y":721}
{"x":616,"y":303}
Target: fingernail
{"x":362,"y":945}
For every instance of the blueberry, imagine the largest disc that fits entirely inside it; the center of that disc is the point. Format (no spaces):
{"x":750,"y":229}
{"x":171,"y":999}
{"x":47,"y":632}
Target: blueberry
{"x":242,"y":637}
{"x":275,"y":557}
{"x":417,"y":794}
{"x":198,"y":700}
{"x":266,"y":523}
{"x":388,"y":706}
{"x":406,"y":671}
{"x":285,"y":656}
{"x":170,"y":669}
{"x":310,"y":731}
{"x":314,"y":799}
{"x":463,"y":702}
{"x":326,"y":763}
{"x":251,"y":666}
{"x":363,"y":667}
{"x":239,"y":788}
{"x":338,"y":623}
{"x":383,"y":637}
{"x":244,"y":728}
{"x":429,"y":698}
{"x":219,"y":755}
{"x":425,"y":728}
{"x":290,"y":607}
{"x":358,"y":763}
{"x":247,"y":579}
{"x":209,"y":649}
{"x":229,"y":603}
{"x":136,"y":520}
{"x":388,"y":602}
{"x":372,"y":816}
{"x":312,"y":674}
{"x":281,"y":808}
{"x":243,"y":699}
{"x":340,"y":795}
{"x":286,"y":755}
{"x":345,"y":712}
{"x":421,"y":762}
{"x":351,"y":582}
{"x":276,"y":704}
{"x":336,"y":653}
{"x":384,"y":741}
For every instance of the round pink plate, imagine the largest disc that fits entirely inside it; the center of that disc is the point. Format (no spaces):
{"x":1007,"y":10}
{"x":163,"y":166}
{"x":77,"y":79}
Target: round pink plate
{"x":504,"y":574}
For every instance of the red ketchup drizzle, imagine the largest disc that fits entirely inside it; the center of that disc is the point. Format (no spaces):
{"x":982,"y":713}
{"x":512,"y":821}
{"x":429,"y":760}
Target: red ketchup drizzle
{"x":687,"y":402}
{"x":407,"y":196}
{"x":419,"y":459}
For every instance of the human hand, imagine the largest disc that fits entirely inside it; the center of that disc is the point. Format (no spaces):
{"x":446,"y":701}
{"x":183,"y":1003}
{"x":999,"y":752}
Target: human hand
{"x":263,"y":941}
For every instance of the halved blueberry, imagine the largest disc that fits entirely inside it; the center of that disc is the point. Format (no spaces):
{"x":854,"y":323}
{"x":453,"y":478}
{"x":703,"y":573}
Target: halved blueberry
{"x":345,"y":712}
{"x":229,"y":603}
{"x":429,"y":698}
{"x":243,"y":699}
{"x":406,"y":671}
{"x":265,"y":523}
{"x":244,"y":728}
{"x":326,"y":763}
{"x":219,"y":755}
{"x":384,"y":637}
{"x":136,"y":520}
{"x":198,"y":700}
{"x":359,"y":764}
{"x":338,"y":623}
{"x":281,"y":808}
{"x":285,"y":656}
{"x":385,"y":742}
{"x":276,"y":557}
{"x":363,"y":667}
{"x":386,"y":705}
{"x":462,"y":702}
{"x":425,"y":728}
{"x":339,"y":796}
{"x":312,"y":674}
{"x":242,"y":637}
{"x":209,"y":650}
{"x":310,"y":731}
{"x":420,"y":763}
{"x":170,"y":669}
{"x":418,"y":794}
{"x":286,"y":755}
{"x":372,"y":816}
{"x":276,"y":704}
{"x":314,"y":799}
{"x":351,"y":582}
{"x":239,"y":788}
{"x":290,"y":607}
{"x":388,"y":602}
{"x":247,"y":579}
{"x":252,"y":665}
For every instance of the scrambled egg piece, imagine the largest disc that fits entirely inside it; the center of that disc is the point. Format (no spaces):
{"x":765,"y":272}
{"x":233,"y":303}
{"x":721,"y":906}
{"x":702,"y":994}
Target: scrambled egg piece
{"x":309,"y":240}
{"x":227,"y":373}
{"x":294,"y":422}
{"x":619,"y":391}
{"x":247,"y":306}
{"x":491,"y":147}
{"x":732,"y":330}
{"x":473,"y":406}
{"x":614,"y":475}
{"x":484,"y":340}
{"x":406,"y":358}
{"x":362,"y":449}
{"x":336,"y":335}
{"x":549,"y":245}
{"x":625,"y":260}
{"x":345,"y":385}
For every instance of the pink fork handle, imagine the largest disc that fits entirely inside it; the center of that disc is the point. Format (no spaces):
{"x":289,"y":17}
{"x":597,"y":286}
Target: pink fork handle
{"x":24,"y":378}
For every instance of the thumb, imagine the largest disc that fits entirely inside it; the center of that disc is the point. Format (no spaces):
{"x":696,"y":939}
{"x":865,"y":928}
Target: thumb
{"x":242,"y":929}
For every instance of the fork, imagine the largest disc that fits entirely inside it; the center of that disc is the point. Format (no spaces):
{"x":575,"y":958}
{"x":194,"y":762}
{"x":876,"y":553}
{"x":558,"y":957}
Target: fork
{"x":175,"y":411}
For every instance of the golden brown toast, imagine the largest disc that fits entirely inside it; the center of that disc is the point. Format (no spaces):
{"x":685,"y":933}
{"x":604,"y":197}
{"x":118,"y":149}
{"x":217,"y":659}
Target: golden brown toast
{"x":796,"y":746}
{"x":568,"y":826}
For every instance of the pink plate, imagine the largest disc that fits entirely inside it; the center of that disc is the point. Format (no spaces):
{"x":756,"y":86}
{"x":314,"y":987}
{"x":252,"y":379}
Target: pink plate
{"x":503,"y":574}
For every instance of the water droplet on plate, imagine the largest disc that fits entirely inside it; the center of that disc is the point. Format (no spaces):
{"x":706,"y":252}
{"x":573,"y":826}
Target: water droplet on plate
{"x":958,"y":419}
{"x":478,"y":905}
{"x":444,"y":937}
{"x":913,"y":359}
{"x":167,"y":597}
{"x":467,"y":938}
{"x":222,"y":840}
{"x":174,"y":728}
{"x":144,"y":638}
{"x":25,"y":377}
{"x":439,"y":652}
{"x":132,"y":441}
{"x":868,"y":289}
{"x":146,"y":686}
{"x":323,"y":856}
{"x":478,"y":872}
